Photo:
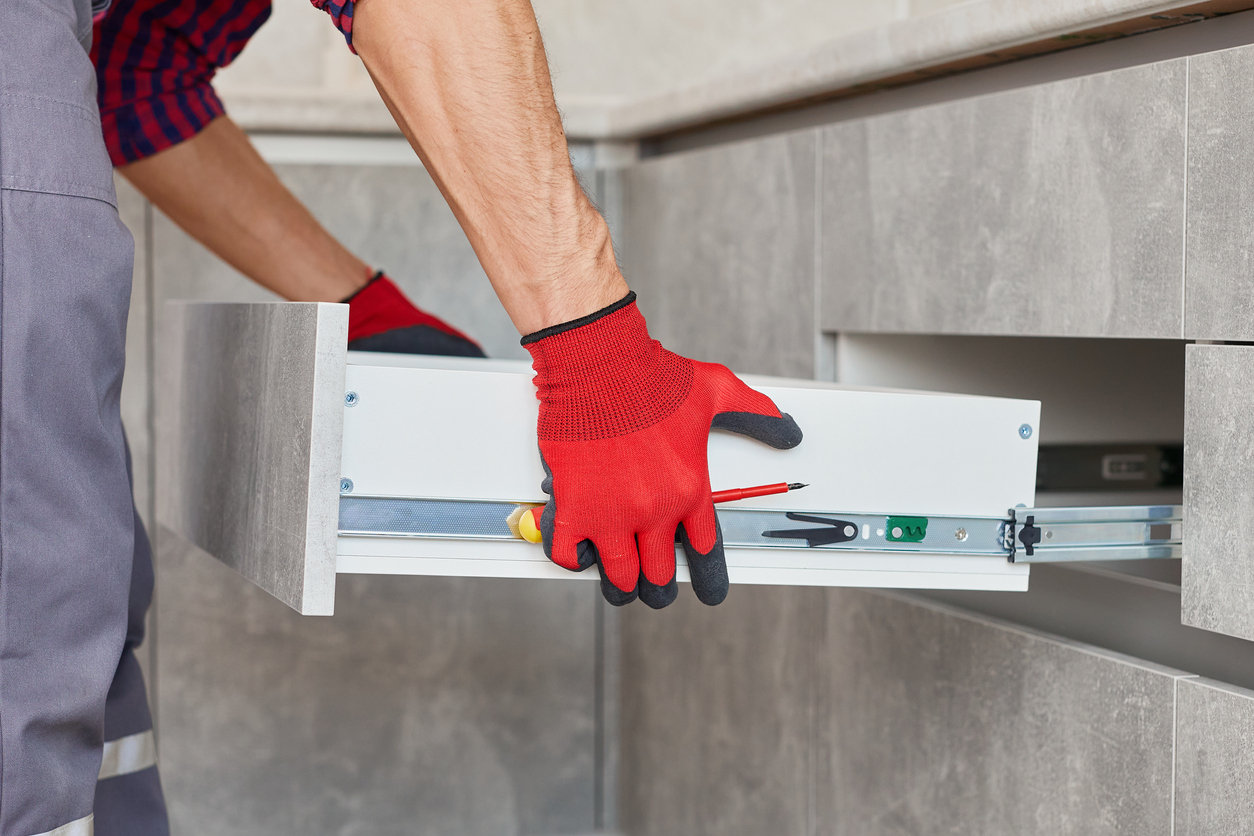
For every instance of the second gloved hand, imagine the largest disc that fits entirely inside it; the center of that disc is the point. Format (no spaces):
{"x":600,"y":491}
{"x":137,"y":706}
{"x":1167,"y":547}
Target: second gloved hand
{"x":381,"y":318}
{"x":623,"y":430}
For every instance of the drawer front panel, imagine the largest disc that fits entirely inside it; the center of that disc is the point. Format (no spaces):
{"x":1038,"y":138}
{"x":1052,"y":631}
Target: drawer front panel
{"x":1054,"y":210}
{"x":1217,"y":574}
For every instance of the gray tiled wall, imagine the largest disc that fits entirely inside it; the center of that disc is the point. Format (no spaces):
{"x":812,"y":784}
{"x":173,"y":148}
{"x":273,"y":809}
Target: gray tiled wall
{"x":725,"y":237}
{"x":1219,"y":304}
{"x":1218,"y":565}
{"x":716,"y":714}
{"x":933,"y":721}
{"x":424,"y":705}
{"x":1214,"y":741}
{"x":1054,"y":210}
{"x":851,"y":712}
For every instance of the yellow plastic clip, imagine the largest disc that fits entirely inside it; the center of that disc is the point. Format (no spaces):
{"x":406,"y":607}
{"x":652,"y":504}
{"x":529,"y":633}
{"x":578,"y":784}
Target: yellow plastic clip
{"x":524,"y":523}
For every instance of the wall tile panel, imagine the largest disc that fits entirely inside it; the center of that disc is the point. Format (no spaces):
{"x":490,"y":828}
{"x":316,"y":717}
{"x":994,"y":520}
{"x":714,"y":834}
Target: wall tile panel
{"x":719,"y":244}
{"x":853,"y":712}
{"x":933,"y":721}
{"x":1217,"y":574}
{"x":1054,"y":210}
{"x":424,"y":706}
{"x":1214,"y":771}
{"x":716,"y":714}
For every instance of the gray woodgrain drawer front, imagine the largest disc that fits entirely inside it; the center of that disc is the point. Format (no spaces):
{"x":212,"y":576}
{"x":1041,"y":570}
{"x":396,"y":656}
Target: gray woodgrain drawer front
{"x":1218,"y":570}
{"x":1055,"y":210}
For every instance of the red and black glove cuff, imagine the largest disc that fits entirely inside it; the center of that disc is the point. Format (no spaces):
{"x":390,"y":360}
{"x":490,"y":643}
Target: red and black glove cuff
{"x":561,"y":328}
{"x":381,"y":318}
{"x":602,"y":376}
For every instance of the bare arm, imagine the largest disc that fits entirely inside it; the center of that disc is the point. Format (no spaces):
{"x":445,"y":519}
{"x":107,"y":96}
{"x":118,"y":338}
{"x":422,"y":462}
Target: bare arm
{"x":222,"y":193}
{"x":468,"y":83}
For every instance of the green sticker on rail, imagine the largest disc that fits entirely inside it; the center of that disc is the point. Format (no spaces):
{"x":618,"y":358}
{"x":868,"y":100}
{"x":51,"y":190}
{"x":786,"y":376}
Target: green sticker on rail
{"x":906,"y":529}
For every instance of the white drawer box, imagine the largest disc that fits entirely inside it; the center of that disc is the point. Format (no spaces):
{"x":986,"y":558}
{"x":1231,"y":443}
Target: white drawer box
{"x":290,"y":459}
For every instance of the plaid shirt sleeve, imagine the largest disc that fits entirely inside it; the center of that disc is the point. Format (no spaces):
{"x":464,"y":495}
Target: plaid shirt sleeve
{"x":341,"y":12}
{"x":155,"y":61}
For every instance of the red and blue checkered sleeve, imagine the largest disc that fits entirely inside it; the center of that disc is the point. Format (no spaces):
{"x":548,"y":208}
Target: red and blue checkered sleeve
{"x":341,"y":12}
{"x":155,"y":61}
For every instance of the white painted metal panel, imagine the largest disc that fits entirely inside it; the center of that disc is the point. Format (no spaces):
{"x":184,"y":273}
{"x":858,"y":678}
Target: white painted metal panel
{"x":466,"y":430}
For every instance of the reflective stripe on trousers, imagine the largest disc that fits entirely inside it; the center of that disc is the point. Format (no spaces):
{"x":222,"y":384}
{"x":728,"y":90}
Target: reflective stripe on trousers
{"x":128,"y":754}
{"x":79,"y":827}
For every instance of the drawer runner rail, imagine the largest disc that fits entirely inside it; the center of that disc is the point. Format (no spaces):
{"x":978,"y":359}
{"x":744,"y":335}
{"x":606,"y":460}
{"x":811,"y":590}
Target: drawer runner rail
{"x":1026,"y":535}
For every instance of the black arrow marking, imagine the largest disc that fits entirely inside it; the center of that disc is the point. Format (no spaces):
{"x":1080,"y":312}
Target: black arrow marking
{"x":838,"y":531}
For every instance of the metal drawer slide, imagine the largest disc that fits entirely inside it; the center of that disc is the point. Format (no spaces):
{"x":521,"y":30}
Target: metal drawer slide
{"x":1027,"y":535}
{"x":1068,"y":535}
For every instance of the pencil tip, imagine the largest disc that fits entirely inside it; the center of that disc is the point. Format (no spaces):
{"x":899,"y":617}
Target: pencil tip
{"x":794,"y":486}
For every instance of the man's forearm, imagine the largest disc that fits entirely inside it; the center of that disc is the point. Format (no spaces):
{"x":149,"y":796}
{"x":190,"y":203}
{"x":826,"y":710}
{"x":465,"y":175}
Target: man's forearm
{"x":222,"y":193}
{"x":468,"y":83}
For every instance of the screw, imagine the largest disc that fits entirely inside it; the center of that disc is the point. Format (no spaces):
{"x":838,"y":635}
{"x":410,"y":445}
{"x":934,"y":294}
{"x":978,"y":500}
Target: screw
{"x":961,"y":534}
{"x":346,"y":485}
{"x":350,"y":399}
{"x":1025,"y":431}
{"x":850,"y":531}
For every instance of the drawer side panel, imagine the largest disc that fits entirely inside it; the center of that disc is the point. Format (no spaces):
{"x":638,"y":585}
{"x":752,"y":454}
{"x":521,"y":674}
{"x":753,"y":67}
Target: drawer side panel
{"x":457,"y":434}
{"x":250,"y":424}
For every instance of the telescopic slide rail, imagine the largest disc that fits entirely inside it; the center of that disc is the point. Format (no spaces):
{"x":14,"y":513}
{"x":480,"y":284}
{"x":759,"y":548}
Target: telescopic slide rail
{"x":1026,"y":535}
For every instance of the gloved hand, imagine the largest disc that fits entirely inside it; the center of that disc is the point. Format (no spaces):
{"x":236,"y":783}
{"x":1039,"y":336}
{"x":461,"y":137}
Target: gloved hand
{"x":380,"y":318}
{"x":623,"y":430}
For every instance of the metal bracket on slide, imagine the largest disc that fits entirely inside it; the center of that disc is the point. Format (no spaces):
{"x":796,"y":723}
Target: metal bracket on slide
{"x":1030,"y":535}
{"x":1069,"y":535}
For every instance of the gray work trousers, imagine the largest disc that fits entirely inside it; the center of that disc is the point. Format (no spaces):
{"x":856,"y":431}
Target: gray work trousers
{"x":75,"y":732}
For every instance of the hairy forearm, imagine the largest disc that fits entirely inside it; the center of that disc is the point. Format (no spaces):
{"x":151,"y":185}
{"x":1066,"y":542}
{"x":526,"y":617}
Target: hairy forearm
{"x":468,"y":83}
{"x":222,"y":193}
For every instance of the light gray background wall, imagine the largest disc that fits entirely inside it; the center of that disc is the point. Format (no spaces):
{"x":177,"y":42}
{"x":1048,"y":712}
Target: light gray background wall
{"x":599,"y":50}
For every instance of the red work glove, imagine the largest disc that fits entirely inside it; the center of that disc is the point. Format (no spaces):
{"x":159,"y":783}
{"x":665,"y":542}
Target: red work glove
{"x":380,"y":318}
{"x":623,"y":430}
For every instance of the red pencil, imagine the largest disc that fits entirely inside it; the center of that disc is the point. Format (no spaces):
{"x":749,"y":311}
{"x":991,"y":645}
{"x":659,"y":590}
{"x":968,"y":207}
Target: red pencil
{"x":760,"y":490}
{"x":528,"y":524}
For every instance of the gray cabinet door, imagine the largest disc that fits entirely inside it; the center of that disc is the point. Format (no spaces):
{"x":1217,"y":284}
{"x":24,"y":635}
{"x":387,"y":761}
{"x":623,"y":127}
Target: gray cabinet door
{"x":1055,"y":210}
{"x":1219,"y":304}
{"x":1218,"y":570}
